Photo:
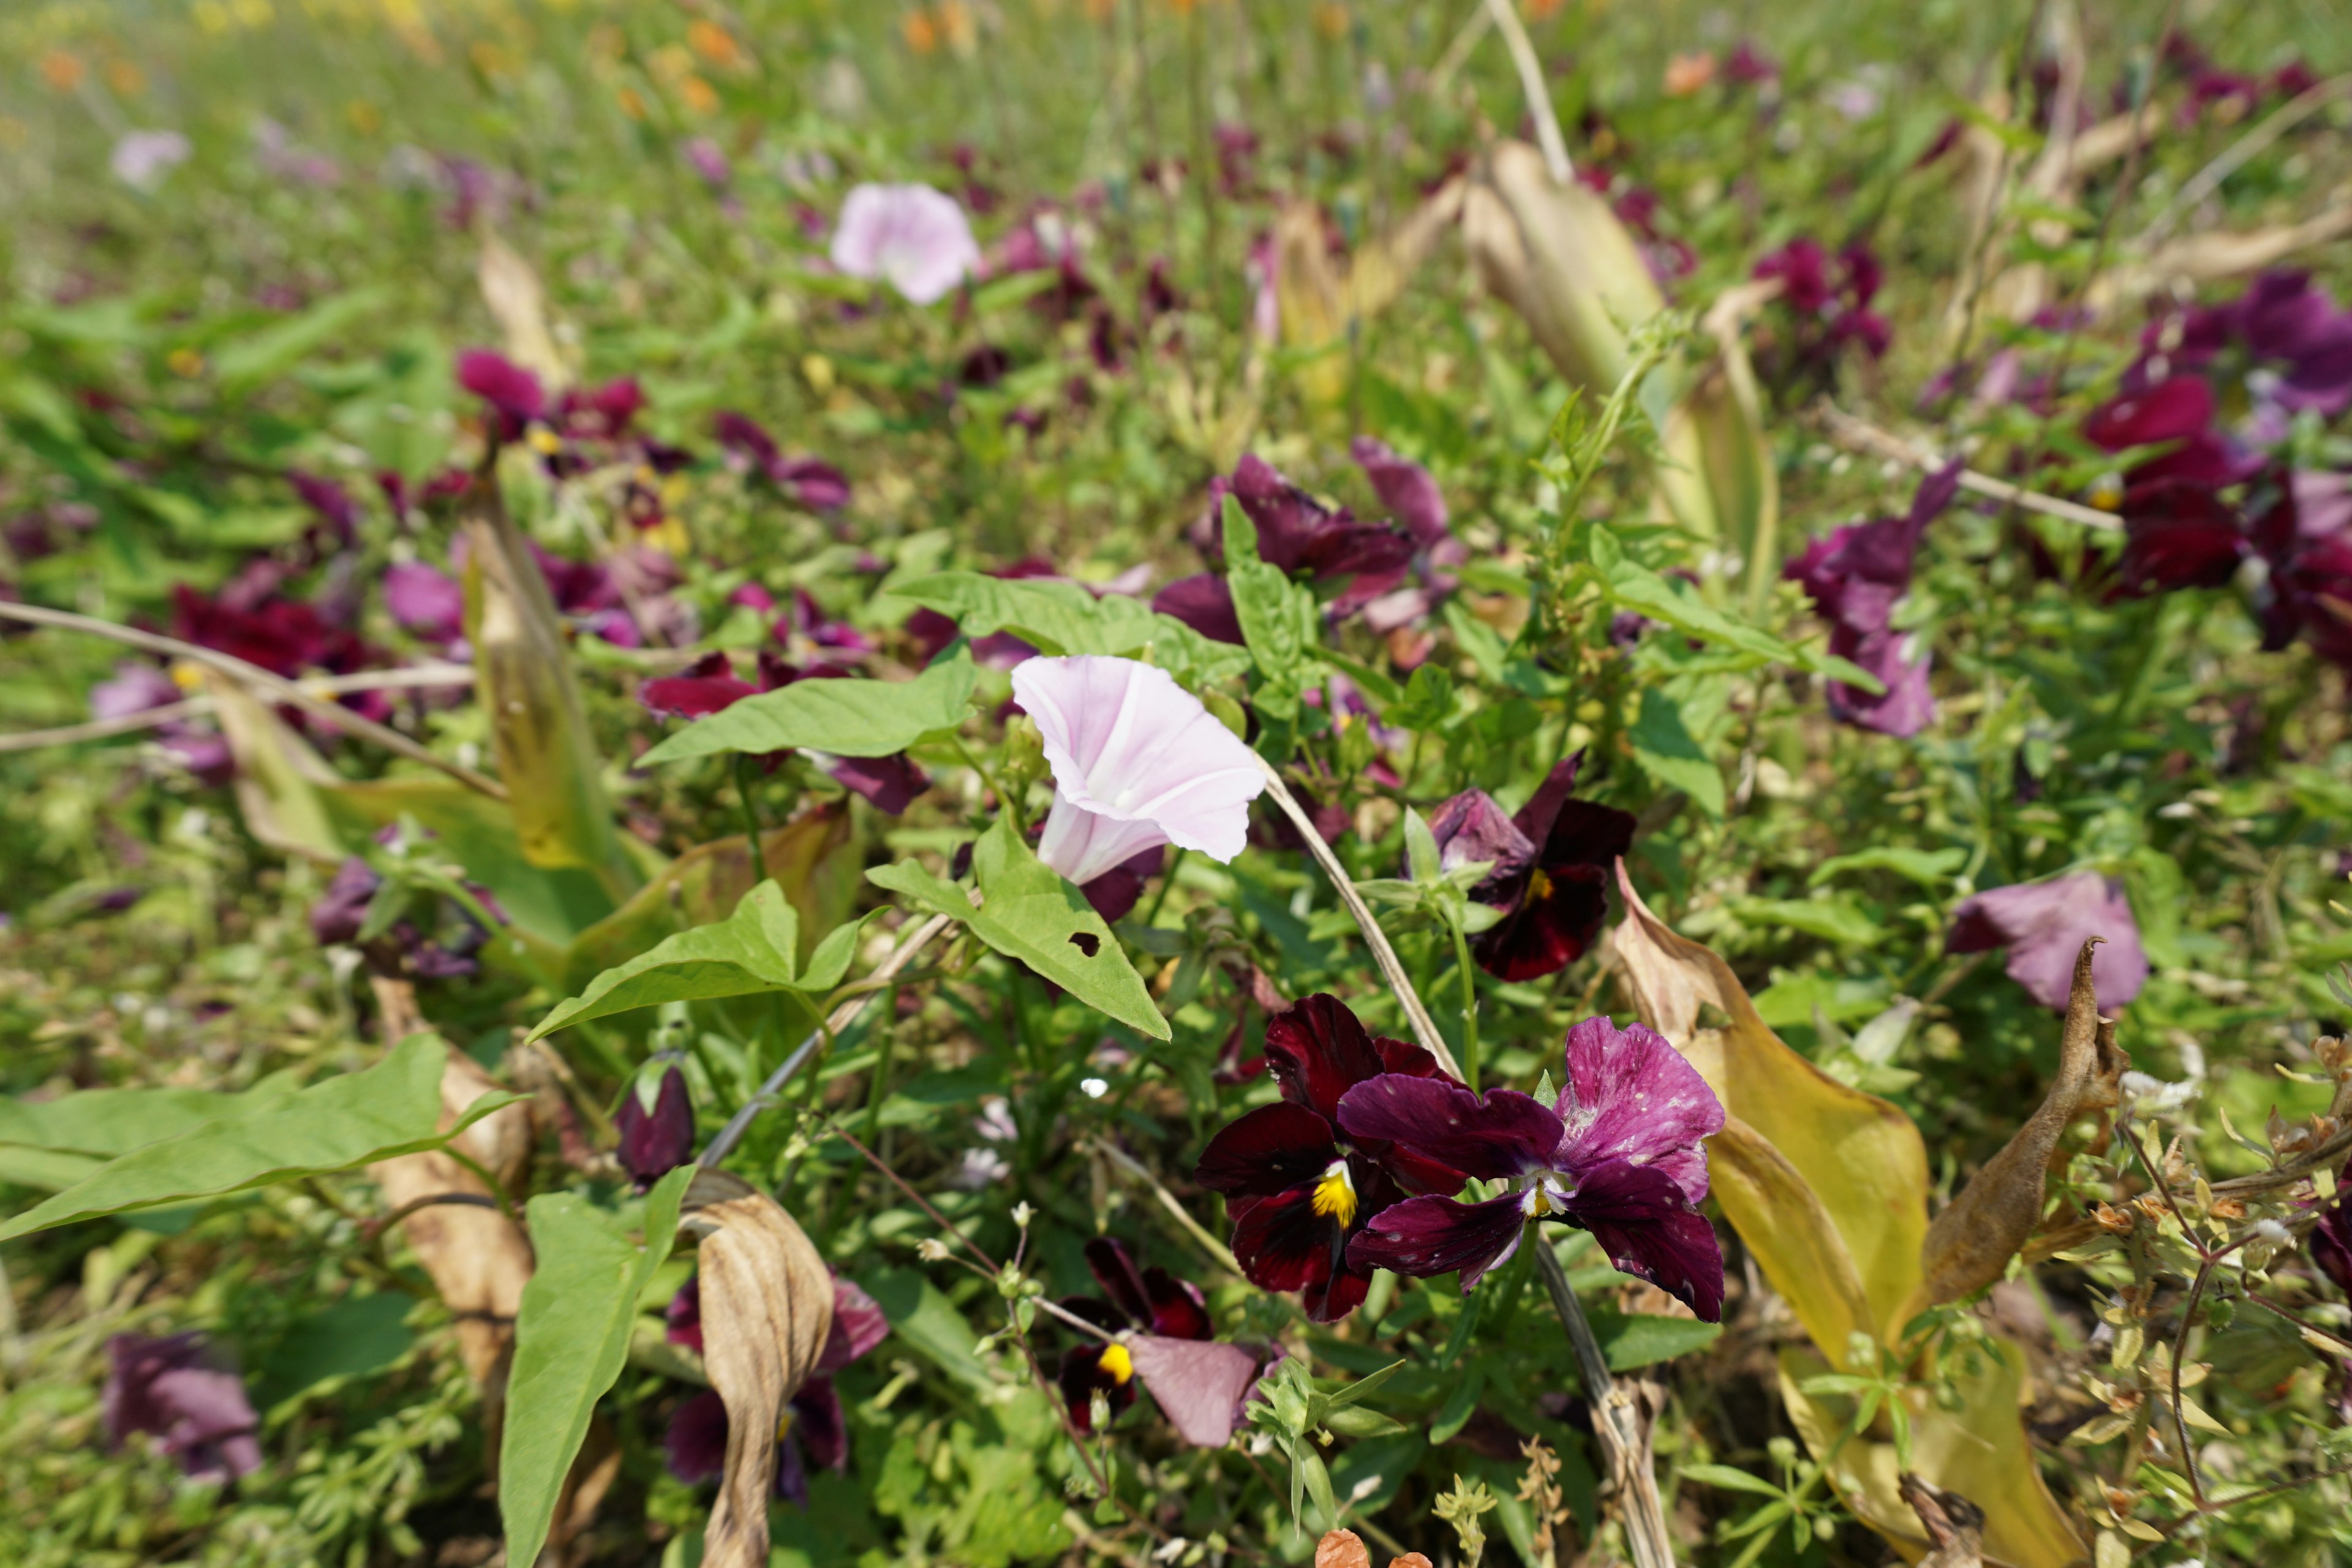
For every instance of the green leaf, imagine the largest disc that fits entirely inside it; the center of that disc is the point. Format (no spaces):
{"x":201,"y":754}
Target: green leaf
{"x":111,"y":1121}
{"x":1481,"y":642}
{"x":1364,"y":1387}
{"x":1832,"y":921}
{"x":1029,"y":911}
{"x":751,"y":952}
{"x":354,"y":1338}
{"x":846,"y":718}
{"x":1665,"y":749}
{"x":1279,"y":619}
{"x":1725,"y":1477}
{"x":245,"y":363}
{"x":355,"y":1119}
{"x":1928,"y":867}
{"x":923,"y":1317}
{"x":572,"y":1338}
{"x":1635,"y":1339}
{"x":1064,"y":618}
{"x":1355,"y":1421}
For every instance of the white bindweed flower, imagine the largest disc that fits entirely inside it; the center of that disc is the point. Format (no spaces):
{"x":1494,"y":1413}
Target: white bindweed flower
{"x":1137,"y":762}
{"x":913,"y":237}
{"x":143,"y":158}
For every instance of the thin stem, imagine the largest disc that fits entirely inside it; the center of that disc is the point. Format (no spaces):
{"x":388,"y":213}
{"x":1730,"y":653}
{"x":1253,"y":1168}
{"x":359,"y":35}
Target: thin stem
{"x":287,"y":691}
{"x":1004,"y":801}
{"x":1616,"y":1421}
{"x":429,"y":676}
{"x":1425,"y":1030}
{"x":1167,"y":885}
{"x":497,"y":1194}
{"x":2208,"y":180}
{"x":1531,"y":84}
{"x":1861,"y":436}
{"x":1469,"y":1005}
{"x":723,"y":1142}
{"x":1217,"y":1251}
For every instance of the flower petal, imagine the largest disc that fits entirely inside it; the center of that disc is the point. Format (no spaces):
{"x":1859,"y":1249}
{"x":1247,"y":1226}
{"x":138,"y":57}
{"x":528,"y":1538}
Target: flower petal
{"x":1272,"y":1149}
{"x":1471,"y":828}
{"x":858,"y":1325}
{"x":1200,"y":1386}
{"x":1319,"y":1050}
{"x":1283,"y":1243}
{"x":1650,"y":1230}
{"x":1126,"y":741}
{"x":1087,"y":845}
{"x":1203,"y":601}
{"x":2044,"y":925}
{"x":1495,"y":1137}
{"x":1627,"y":1094}
{"x":1426,"y":1237}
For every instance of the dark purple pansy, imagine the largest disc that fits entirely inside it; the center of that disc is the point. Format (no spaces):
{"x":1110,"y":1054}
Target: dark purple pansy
{"x":342,"y":909}
{"x":1831,"y":299}
{"x":813,"y":1431}
{"x":1406,"y":488}
{"x":600,"y":413}
{"x":284,"y":637}
{"x":807,"y":481}
{"x":1550,"y":875}
{"x":513,"y":394}
{"x":2177,"y":413}
{"x":1856,"y":577}
{"x":331,"y":502}
{"x":1297,"y":532}
{"x":172,"y":1390}
{"x":1203,"y":603}
{"x":657,"y":1140}
{"x":1149,"y":1300}
{"x":1115,"y":893}
{"x":2044,"y":925}
{"x":1618,"y":1154}
{"x":1294,"y":1192}
{"x":135,"y":689}
{"x":2331,"y":1247}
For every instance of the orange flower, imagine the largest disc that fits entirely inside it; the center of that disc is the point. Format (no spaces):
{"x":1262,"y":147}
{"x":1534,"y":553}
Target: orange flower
{"x":956,"y":21}
{"x":1100,"y":10}
{"x":125,"y":78}
{"x":633,"y":104}
{"x":699,"y":95}
{"x":921,"y":33}
{"x":1542,"y":10}
{"x":62,"y":70}
{"x":1331,"y":20}
{"x":715,"y":43}
{"x":1685,"y":74}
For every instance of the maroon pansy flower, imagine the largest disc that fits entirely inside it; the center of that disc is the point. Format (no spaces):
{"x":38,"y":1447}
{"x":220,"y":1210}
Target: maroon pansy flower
{"x":1297,"y":1193}
{"x":1151,"y":1300}
{"x":2044,"y":925}
{"x":1618,"y":1154}
{"x":1856,"y":577}
{"x":1296,"y":532}
{"x":2331,"y":1247}
{"x":1550,"y":871}
{"x":173,"y":1390}
{"x":514,"y":394}
{"x":656,"y":1139}
{"x":1830,"y":299}
{"x":806,"y":482}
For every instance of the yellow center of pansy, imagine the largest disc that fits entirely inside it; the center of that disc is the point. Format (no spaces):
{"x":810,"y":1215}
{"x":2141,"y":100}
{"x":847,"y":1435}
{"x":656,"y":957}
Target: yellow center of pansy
{"x":542,"y":439}
{"x":1335,"y":1194}
{"x":1118,"y":1364}
{"x":1539,"y":885}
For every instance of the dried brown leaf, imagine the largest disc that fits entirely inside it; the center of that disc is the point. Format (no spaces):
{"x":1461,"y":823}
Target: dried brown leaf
{"x":1342,"y":1549}
{"x":1969,"y":1245}
{"x":1955,"y":1526}
{"x":767,"y":1309}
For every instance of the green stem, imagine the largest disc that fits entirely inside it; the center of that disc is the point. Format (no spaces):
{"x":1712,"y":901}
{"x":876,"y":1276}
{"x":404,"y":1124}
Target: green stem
{"x":1469,"y":1007}
{"x":1167,"y":885}
{"x":753,"y":839}
{"x":1004,"y":801}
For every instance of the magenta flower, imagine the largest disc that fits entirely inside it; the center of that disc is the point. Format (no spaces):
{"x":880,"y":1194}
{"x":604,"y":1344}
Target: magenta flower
{"x":1296,"y":1190}
{"x":513,"y":394}
{"x":914,"y":238}
{"x":1830,"y":298}
{"x":1618,"y":1154}
{"x":806,"y":481}
{"x":1550,"y":875}
{"x":1857,"y":576}
{"x":135,"y":689}
{"x":711,"y":684}
{"x":425,"y":601}
{"x":2044,"y":925}
{"x":1296,"y":532}
{"x":172,"y":1390}
{"x":656,"y":1139}
{"x":1137,"y":762}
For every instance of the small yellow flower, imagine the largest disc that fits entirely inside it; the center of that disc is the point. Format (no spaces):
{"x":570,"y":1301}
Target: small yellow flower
{"x":185,"y":361}
{"x":699,"y":95}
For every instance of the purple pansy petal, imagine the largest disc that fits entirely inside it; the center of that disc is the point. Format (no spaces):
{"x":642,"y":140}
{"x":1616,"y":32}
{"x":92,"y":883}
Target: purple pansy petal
{"x":135,"y":689}
{"x":505,"y":385}
{"x":1649,"y":1229}
{"x":343,"y":909}
{"x":1471,"y":828}
{"x":695,"y":1445}
{"x":814,"y":484}
{"x":1199,"y":1386}
{"x":1405,"y":488}
{"x":1204,"y":603}
{"x":2044,"y":925}
{"x":1282,"y":1243}
{"x":1566,"y":900}
{"x":656,"y":1141}
{"x":682,"y":1318}
{"x":2172,"y":410}
{"x":858,"y":1325}
{"x":1495,"y":1136}
{"x":2331,"y":1247}
{"x":818,"y":1425}
{"x":1081,"y":1376}
{"x":425,"y":601}
{"x":1271,"y":1150}
{"x":1113,"y":894}
{"x":1178,"y":1309}
{"x":171,"y":1390}
{"x":1627,"y":1094}
{"x":1426,"y":1237}
{"x":704,"y":687}
{"x":1119,"y":1278}
{"x":1907,"y":705}
{"x":1319,"y":1050}
{"x":889,"y":783}
{"x":2179,"y":536}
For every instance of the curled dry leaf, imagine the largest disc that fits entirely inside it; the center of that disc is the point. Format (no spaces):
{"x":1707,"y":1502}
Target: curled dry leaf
{"x":1955,"y":1526}
{"x":1970,"y":1244}
{"x":766,"y":1311}
{"x":2208,"y":258}
{"x":1318,"y":300}
{"x":479,"y":1258}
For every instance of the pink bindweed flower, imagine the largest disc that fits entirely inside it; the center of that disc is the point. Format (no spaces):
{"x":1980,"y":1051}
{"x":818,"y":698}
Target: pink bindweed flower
{"x":2044,"y":925}
{"x":913,"y":237}
{"x":1137,"y":762}
{"x":1617,"y":1154}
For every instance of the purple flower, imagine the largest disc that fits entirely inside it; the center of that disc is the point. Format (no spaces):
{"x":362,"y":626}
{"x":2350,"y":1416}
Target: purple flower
{"x":711,"y":684}
{"x":1617,"y":1155}
{"x":1203,"y":603}
{"x":1857,"y":576}
{"x":2331,"y":1247}
{"x":1831,"y":299}
{"x":708,"y":160}
{"x":2044,"y":925}
{"x":1552,"y":872}
{"x":513,"y":393}
{"x":1297,"y":532}
{"x":914,"y":238}
{"x":426,"y":601}
{"x":1406,"y":488}
{"x":657,"y":1140}
{"x":331,"y":502}
{"x":1137,"y":762}
{"x":340,"y":913}
{"x":806,"y":482}
{"x":172,"y":1390}
{"x":1296,"y":1192}
{"x":135,"y":689}
{"x":814,"y":1430}
{"x":1131,"y":1298}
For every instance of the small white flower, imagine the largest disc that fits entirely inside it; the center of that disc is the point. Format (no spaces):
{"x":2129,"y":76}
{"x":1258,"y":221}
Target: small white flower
{"x":2270,"y":1230}
{"x":981,"y":1168}
{"x":1095,"y":1088}
{"x":143,"y":158}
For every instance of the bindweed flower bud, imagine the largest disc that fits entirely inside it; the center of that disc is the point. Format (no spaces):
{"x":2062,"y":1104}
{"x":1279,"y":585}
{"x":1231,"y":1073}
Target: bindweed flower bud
{"x":655,"y":1141}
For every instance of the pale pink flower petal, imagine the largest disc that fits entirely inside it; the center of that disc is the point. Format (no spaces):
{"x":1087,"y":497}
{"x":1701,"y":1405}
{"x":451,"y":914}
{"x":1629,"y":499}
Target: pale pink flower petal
{"x":1128,"y":743}
{"x":1200,"y":1385}
{"x":1083,"y":844}
{"x":914,"y":238}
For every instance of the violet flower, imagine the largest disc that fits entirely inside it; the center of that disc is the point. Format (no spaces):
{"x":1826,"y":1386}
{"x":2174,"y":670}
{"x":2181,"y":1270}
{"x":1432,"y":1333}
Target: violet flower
{"x":513,"y":394}
{"x":1617,"y":1154}
{"x":426,"y":601}
{"x":135,"y":689}
{"x":1298,"y":1195}
{"x":1857,"y":576}
{"x":711,"y":684}
{"x":172,"y":1390}
{"x":806,"y":482}
{"x":912,"y":237}
{"x":1137,"y":762}
{"x":2044,"y":925}
{"x":657,"y":1138}
{"x":1550,"y":875}
{"x":1163,"y":1341}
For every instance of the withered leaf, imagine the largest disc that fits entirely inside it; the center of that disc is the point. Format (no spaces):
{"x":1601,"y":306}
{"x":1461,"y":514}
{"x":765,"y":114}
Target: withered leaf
{"x":1969,"y":1245}
{"x":1342,"y":1549}
{"x":766,"y":1311}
